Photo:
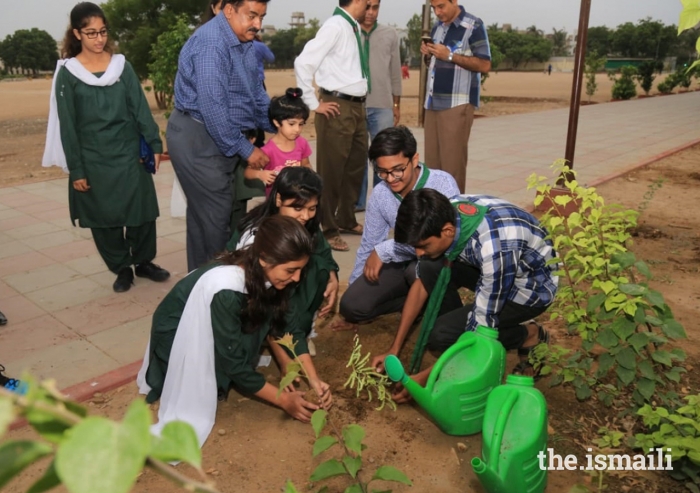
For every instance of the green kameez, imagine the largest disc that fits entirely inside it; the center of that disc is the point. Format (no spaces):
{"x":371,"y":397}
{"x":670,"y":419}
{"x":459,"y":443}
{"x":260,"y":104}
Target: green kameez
{"x":100,"y":132}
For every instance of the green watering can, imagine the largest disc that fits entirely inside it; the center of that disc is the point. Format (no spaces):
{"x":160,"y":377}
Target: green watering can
{"x":457,"y":388}
{"x":514,"y":433}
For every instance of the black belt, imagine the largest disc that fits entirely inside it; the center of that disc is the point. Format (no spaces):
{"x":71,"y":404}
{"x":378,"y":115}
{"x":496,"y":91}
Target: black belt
{"x":347,"y":97}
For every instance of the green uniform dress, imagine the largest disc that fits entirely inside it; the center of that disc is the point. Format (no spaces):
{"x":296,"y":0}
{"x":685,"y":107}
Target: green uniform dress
{"x":100,"y":132}
{"x":236,"y":352}
{"x":307,"y":296}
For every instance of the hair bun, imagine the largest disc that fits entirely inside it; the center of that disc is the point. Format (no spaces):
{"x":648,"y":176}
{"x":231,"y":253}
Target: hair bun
{"x":294,"y":92}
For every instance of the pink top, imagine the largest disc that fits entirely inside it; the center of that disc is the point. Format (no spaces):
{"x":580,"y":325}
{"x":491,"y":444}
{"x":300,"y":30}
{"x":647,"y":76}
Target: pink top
{"x":280,"y":159}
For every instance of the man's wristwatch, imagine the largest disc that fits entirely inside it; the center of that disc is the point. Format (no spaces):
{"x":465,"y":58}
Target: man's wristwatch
{"x":449,"y":57}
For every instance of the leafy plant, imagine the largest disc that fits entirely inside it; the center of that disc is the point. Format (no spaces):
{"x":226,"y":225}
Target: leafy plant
{"x":678,"y":430}
{"x":689,"y":18}
{"x":623,"y":86}
{"x":666,"y":87}
{"x":649,"y":194}
{"x":350,"y":439}
{"x":604,"y":297}
{"x":164,"y":53}
{"x":594,"y":64}
{"x":364,"y":377}
{"x":645,"y":76}
{"x":92,"y":453}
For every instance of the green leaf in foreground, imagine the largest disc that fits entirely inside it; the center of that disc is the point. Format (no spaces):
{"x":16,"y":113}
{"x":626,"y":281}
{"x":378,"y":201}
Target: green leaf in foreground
{"x":318,"y":421}
{"x":100,"y":455}
{"x":327,"y":469}
{"x":15,"y":455}
{"x":323,"y":444}
{"x":353,"y":436}
{"x":178,"y":442}
{"x":388,"y":473}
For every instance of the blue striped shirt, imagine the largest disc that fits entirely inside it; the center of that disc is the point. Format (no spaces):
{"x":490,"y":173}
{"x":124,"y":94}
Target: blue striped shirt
{"x":511,"y":250}
{"x":217,"y":83}
{"x":449,"y":85}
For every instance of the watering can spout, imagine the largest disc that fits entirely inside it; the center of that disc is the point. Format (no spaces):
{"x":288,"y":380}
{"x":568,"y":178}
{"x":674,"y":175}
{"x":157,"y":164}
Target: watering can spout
{"x":491,"y":481}
{"x":422,"y":395}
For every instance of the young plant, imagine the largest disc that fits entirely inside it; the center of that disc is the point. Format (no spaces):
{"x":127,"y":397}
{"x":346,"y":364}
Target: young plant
{"x":350,"y":441}
{"x":678,"y":430}
{"x":594,"y":64}
{"x":364,"y":377}
{"x":92,"y":453}
{"x":623,"y":86}
{"x":625,"y":326}
{"x":649,"y":194}
{"x":164,"y":53}
{"x":645,"y":76}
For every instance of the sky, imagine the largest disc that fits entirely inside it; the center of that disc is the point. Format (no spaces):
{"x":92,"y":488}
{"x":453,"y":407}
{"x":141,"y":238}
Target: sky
{"x":52,"y":15}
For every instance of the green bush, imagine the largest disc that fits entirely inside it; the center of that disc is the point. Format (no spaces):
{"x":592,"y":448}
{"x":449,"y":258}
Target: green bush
{"x":645,"y":76}
{"x":624,"y":87}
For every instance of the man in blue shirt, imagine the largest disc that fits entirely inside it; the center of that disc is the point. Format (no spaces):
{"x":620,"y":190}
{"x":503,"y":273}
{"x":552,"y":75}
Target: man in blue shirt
{"x":218,"y":96}
{"x":459,"y":53}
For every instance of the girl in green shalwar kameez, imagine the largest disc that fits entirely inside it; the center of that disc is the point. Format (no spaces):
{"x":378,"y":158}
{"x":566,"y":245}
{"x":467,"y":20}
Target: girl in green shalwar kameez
{"x":102,"y":112}
{"x":296,"y":193}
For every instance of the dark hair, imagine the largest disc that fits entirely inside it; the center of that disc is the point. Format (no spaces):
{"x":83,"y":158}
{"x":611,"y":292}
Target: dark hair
{"x":209,"y":10}
{"x":296,"y":183}
{"x":392,"y":141}
{"x":238,"y":3}
{"x":422,"y":214}
{"x":344,"y":3}
{"x":79,"y":18}
{"x":288,"y":106}
{"x":278,"y":240}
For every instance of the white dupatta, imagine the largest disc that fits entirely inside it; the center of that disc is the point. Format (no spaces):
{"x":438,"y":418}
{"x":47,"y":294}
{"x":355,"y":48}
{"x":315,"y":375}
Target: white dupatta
{"x":53,"y":152}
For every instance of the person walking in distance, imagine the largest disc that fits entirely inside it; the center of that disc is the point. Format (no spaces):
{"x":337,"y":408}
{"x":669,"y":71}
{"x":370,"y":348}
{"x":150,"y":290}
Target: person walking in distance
{"x":336,"y":60}
{"x":459,"y":53}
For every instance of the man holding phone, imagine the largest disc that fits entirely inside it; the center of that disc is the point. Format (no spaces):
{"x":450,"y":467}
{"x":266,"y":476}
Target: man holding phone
{"x":459,"y":52}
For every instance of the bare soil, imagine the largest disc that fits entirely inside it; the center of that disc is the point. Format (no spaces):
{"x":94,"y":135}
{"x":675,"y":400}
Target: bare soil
{"x":255,"y":447}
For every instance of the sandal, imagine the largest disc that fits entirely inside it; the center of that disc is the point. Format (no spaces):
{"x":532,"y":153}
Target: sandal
{"x":338,"y":244}
{"x":357,"y":230}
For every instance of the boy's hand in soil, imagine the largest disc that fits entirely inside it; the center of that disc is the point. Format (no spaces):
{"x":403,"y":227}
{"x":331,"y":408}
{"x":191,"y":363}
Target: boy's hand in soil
{"x":296,"y":406}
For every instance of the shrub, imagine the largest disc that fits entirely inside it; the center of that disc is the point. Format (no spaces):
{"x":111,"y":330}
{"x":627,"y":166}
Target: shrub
{"x":645,"y":76}
{"x":624,"y":87}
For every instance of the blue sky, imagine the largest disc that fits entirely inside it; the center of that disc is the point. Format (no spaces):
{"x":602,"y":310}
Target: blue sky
{"x":52,"y":15}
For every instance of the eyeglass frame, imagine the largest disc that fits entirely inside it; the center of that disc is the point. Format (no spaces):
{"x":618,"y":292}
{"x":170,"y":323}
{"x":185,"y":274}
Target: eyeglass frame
{"x":393,"y":171}
{"x":103,"y":33}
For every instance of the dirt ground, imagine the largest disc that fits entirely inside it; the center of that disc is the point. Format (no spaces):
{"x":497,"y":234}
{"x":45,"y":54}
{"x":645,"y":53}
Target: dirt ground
{"x":255,"y":447}
{"x":24,"y":107}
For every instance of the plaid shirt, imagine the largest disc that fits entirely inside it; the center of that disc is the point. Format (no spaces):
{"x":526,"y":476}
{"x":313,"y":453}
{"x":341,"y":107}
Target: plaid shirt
{"x":217,"y":83}
{"x":449,"y":85}
{"x":510,"y":249}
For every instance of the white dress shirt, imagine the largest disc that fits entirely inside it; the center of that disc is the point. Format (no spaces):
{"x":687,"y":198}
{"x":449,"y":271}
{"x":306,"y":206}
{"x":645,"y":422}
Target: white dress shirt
{"x":334,"y":58}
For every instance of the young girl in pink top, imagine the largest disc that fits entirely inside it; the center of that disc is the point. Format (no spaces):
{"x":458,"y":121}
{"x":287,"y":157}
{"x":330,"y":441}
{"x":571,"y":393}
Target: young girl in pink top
{"x":287,"y":148}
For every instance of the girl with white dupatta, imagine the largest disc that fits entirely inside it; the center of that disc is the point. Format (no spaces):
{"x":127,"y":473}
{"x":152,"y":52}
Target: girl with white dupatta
{"x":207,"y":332}
{"x":98,"y":115}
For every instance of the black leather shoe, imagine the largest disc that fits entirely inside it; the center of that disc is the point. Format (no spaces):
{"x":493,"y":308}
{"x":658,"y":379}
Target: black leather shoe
{"x":125,"y":279}
{"x":3,"y":319}
{"x":152,"y":271}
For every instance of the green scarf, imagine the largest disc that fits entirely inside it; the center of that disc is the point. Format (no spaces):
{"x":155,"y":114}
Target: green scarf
{"x":420,"y":183}
{"x":468,"y":218}
{"x":364,"y":56}
{"x":366,"y":35}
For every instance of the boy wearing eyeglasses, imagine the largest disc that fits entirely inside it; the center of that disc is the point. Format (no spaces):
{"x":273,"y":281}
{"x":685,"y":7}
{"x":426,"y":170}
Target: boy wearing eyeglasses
{"x":384,"y":271}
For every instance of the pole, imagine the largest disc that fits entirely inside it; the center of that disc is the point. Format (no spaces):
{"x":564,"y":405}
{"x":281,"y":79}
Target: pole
{"x":423,"y":82}
{"x":577,"y":84}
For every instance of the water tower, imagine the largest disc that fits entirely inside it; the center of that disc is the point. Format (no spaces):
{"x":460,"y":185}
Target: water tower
{"x":298,"y":20}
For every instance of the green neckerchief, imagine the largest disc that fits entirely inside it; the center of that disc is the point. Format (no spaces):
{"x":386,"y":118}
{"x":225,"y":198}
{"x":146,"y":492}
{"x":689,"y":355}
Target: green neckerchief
{"x":364,"y":58}
{"x":425,"y":173}
{"x":366,"y":35}
{"x":468,"y":218}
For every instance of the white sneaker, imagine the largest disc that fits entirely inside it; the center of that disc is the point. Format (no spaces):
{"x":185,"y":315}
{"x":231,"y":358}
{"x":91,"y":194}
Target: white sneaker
{"x":311,"y":345}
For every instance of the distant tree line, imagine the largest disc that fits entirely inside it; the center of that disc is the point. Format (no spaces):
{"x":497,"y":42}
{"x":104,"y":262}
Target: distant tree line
{"x":29,"y":50}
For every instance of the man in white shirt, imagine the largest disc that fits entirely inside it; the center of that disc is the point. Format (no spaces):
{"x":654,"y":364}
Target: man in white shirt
{"x":341,"y":69}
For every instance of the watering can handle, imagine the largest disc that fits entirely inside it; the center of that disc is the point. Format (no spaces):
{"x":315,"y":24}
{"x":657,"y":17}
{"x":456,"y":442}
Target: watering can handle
{"x":447,"y":356}
{"x":500,"y":428}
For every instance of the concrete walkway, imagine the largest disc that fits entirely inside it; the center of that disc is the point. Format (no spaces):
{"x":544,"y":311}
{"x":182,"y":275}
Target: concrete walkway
{"x":66,"y":323}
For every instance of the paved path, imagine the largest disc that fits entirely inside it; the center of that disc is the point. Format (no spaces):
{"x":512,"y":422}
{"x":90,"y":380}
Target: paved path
{"x":66,"y":323}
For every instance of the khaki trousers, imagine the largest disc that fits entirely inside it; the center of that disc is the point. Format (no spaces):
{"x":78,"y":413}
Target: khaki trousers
{"x":447,"y":141}
{"x":340,"y":160}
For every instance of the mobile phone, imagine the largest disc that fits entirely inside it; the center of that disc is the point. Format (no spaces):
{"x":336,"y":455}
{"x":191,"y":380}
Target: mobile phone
{"x":427,"y":40}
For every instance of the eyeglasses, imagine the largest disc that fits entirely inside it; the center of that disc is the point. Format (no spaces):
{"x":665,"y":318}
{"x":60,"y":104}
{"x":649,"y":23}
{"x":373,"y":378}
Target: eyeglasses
{"x":396,"y":173}
{"x":93,"y":34}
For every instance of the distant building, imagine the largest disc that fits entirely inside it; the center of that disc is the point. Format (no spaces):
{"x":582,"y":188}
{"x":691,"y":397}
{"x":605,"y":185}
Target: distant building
{"x":268,"y":30}
{"x":298,"y":20}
